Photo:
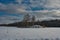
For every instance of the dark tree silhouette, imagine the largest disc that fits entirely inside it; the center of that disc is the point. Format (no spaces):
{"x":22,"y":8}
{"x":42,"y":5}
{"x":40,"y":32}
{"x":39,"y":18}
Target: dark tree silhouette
{"x":33,"y":18}
{"x":26,"y":18}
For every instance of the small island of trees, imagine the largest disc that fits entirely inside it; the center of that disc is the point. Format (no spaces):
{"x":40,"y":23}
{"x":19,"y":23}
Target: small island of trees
{"x":29,"y":21}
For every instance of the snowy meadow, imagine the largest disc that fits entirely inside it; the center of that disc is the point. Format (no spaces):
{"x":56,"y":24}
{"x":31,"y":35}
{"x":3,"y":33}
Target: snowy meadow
{"x":13,"y":33}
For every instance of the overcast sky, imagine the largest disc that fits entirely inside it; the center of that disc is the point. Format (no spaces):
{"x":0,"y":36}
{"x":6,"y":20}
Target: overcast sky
{"x":42,"y":9}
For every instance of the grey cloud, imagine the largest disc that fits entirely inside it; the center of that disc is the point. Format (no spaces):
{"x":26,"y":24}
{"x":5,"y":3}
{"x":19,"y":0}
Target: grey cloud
{"x":49,"y":4}
{"x":3,"y":7}
{"x":21,"y":8}
{"x":47,"y":15}
{"x":9,"y":19}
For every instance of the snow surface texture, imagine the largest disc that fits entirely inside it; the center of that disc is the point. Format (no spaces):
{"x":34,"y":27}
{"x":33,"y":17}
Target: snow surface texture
{"x":12,"y":33}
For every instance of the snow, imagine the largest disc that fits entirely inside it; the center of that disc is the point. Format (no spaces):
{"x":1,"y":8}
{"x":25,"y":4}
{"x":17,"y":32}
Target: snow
{"x":13,"y":33}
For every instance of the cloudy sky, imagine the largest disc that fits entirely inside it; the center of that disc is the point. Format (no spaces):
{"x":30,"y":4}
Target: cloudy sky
{"x":14,"y":10}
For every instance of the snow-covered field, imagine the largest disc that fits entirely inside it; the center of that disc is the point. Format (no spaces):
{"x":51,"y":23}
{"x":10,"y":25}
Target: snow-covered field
{"x":13,"y":33}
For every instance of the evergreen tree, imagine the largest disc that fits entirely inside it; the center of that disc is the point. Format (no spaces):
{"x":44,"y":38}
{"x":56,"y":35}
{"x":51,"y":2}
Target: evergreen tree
{"x":26,"y":18}
{"x":33,"y":18}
